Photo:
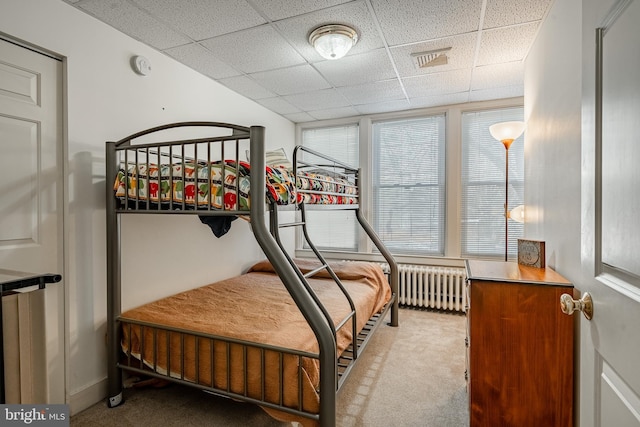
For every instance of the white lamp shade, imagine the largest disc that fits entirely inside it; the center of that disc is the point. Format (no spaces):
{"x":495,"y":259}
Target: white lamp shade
{"x":333,"y":41}
{"x":517,"y":213}
{"x":506,"y":130}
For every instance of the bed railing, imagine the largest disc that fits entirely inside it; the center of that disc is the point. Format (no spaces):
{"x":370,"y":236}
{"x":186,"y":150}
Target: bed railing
{"x":329,"y":167}
{"x":203,"y":156}
{"x":159,"y":338}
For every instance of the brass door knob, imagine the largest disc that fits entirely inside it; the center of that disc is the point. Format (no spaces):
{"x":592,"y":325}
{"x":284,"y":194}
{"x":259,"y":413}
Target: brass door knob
{"x":568,"y":305}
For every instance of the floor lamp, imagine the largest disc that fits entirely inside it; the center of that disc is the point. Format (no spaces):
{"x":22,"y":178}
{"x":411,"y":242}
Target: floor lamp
{"x":506,"y":132}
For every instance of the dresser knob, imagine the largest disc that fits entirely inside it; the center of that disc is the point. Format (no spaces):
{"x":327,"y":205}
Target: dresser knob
{"x":568,"y":305}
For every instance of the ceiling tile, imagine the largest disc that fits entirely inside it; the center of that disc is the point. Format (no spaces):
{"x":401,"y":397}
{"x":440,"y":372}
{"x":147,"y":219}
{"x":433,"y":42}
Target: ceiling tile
{"x":357,"y":69}
{"x":501,"y":13}
{"x":437,"y":100}
{"x":299,"y":117}
{"x":497,"y":75}
{"x":200,"y":59}
{"x":262,"y":49}
{"x":247,"y":87}
{"x":276,"y":10}
{"x":438,"y":83}
{"x":127,"y":18}
{"x":333,"y":113}
{"x":203,"y":19}
{"x":287,"y":81}
{"x":409,"y":21}
{"x":506,"y":44}
{"x":496,"y":93}
{"x":320,"y":99}
{"x":383,"y":107}
{"x":278,"y":105}
{"x":461,"y":54}
{"x":373,"y":92}
{"x":353,"y":14}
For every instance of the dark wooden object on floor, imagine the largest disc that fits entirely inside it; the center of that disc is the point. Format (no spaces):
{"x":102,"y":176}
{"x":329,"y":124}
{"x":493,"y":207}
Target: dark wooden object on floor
{"x":520,"y":346}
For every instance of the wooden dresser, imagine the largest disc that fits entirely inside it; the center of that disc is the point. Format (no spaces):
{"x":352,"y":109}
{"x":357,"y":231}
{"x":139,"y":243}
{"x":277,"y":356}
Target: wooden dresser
{"x":519,"y":346}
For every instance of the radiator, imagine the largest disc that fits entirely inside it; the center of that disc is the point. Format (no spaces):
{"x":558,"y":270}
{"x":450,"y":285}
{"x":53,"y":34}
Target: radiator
{"x":440,"y":288}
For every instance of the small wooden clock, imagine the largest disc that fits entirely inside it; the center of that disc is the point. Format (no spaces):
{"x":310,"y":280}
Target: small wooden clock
{"x":531,"y":253}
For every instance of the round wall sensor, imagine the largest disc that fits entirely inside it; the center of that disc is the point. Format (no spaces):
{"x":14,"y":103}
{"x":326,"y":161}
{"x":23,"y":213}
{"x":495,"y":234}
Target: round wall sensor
{"x":140,"y":65}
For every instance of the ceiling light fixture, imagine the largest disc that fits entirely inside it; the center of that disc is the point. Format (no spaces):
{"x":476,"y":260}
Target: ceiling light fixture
{"x":333,"y":41}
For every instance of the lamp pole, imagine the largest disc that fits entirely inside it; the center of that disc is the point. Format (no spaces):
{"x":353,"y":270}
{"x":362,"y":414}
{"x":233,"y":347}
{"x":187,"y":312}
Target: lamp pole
{"x":507,"y":144}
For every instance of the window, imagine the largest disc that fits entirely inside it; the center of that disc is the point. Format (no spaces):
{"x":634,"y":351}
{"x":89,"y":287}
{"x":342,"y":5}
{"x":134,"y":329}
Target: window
{"x":483,"y":185}
{"x":436,"y":186}
{"x":409,"y":184}
{"x":333,"y":229}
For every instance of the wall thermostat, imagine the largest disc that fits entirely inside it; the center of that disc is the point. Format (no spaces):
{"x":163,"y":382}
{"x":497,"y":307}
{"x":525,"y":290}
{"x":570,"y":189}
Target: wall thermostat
{"x":140,"y":65}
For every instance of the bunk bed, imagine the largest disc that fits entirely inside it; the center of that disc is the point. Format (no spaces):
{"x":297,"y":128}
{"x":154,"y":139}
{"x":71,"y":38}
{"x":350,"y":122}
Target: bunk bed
{"x":284,"y":335}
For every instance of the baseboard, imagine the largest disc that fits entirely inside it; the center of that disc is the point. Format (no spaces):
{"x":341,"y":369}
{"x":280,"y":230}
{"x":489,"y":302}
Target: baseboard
{"x":88,"y":397}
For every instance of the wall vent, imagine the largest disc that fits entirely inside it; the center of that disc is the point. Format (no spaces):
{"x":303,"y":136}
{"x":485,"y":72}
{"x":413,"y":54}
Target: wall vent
{"x":431,"y":58}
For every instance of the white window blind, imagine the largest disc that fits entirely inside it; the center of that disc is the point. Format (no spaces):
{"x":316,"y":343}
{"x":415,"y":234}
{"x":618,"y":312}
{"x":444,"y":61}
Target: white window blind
{"x":409,"y":184}
{"x":483,"y":185}
{"x":333,"y":229}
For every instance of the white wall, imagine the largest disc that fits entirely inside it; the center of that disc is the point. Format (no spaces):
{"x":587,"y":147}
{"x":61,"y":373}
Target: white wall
{"x":553,"y":113}
{"x":106,"y":100}
{"x":553,"y":137}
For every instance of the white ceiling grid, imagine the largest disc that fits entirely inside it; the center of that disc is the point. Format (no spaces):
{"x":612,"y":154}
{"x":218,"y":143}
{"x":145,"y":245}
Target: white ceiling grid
{"x":260,"y":49}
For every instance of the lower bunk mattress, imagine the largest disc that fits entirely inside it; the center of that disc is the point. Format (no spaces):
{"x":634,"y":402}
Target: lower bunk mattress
{"x":252,"y":308}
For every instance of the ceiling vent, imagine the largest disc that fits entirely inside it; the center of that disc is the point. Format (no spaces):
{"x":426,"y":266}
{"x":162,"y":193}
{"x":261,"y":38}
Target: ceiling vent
{"x":431,"y":58}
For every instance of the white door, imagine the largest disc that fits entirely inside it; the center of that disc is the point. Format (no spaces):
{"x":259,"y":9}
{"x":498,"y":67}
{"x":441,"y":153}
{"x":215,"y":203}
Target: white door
{"x":610,"y":342}
{"x":31,"y":177}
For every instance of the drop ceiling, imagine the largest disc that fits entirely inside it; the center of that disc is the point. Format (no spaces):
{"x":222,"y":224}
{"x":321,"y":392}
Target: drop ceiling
{"x":260,"y":49}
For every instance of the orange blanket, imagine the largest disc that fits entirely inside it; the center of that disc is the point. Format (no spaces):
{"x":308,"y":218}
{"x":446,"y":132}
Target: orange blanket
{"x":253,"y":307}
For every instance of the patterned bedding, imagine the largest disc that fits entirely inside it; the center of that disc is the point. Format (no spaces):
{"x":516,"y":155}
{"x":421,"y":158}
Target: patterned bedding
{"x":201,"y":184}
{"x":322,"y":189}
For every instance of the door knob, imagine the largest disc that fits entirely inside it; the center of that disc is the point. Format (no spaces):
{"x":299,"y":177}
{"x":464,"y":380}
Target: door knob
{"x":585,"y":304}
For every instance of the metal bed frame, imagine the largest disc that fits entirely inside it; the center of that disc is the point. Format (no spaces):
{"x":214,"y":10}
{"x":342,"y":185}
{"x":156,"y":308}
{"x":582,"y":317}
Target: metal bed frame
{"x":333,"y":369}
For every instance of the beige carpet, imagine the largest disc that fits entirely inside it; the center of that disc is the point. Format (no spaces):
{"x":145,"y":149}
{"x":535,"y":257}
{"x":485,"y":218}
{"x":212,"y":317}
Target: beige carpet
{"x":412,"y":375}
